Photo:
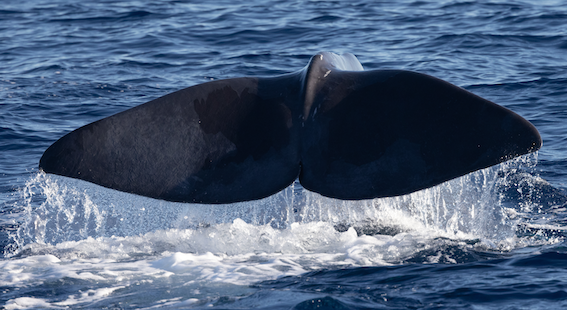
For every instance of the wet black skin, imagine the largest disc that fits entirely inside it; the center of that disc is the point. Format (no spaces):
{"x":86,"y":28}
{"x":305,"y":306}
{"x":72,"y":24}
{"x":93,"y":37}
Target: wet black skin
{"x":345,"y":134}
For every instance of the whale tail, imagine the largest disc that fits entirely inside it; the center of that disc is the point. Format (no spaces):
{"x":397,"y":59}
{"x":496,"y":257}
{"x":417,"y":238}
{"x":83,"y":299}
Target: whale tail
{"x":346,"y":133}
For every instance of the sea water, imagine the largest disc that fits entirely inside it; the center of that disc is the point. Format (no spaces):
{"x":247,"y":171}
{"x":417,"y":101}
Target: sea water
{"x":493,"y":239}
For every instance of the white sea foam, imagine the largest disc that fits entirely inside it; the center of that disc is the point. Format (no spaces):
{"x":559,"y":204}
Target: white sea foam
{"x":82,"y":298}
{"x":220,"y":257}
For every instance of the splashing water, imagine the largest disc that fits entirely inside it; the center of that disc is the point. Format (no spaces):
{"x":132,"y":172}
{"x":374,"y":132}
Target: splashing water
{"x":473,"y":207}
{"x":120,"y":244}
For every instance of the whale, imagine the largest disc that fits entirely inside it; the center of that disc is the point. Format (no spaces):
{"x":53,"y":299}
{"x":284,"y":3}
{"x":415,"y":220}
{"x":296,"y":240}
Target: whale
{"x":344,"y":132}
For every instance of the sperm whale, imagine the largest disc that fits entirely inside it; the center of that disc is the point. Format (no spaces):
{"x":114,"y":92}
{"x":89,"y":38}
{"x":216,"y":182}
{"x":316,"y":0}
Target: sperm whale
{"x":344,"y":132}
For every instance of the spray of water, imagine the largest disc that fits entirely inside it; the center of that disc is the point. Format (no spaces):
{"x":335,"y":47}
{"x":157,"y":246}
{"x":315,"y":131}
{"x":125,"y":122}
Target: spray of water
{"x":60,"y":210}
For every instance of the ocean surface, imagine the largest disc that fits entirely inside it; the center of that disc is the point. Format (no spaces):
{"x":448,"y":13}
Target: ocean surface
{"x":493,"y":239}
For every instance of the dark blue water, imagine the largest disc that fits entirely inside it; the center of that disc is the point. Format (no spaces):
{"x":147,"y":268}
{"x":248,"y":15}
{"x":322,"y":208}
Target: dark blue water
{"x":494,"y":239}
